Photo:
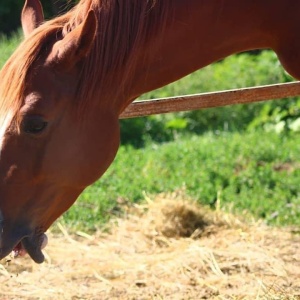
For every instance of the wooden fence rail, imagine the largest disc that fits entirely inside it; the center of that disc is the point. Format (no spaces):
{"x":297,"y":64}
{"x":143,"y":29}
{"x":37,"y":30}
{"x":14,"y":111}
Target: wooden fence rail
{"x":208,"y":100}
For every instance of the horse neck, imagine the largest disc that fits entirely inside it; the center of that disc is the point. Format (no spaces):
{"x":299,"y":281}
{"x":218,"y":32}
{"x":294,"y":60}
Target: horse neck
{"x":198,"y":33}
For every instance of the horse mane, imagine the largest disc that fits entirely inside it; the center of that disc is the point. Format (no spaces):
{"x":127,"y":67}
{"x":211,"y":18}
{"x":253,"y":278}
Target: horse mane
{"x":122,"y":26}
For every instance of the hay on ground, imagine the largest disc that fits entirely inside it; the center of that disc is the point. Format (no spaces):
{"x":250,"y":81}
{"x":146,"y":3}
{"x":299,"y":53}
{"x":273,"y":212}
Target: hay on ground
{"x":169,"y":248}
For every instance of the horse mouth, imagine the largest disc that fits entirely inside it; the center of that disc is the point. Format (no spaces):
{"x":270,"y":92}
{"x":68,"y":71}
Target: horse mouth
{"x":32,"y":245}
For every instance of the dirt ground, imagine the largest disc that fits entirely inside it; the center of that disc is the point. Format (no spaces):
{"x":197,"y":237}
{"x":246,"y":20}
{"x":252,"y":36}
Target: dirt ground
{"x":169,"y":248}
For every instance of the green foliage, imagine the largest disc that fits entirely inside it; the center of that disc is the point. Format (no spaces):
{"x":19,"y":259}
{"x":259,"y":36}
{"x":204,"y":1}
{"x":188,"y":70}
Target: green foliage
{"x":140,"y":130}
{"x":278,"y":116}
{"x":263,"y":179}
{"x":7,"y":46}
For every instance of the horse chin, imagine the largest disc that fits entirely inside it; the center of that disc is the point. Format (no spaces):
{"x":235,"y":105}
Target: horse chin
{"x":32,"y":245}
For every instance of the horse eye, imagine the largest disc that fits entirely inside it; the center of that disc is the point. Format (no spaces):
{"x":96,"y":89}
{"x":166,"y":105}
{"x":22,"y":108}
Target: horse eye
{"x":33,"y":124}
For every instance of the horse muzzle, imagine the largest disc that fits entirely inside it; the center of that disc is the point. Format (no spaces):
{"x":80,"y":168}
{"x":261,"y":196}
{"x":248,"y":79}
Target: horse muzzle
{"x":20,"y":239}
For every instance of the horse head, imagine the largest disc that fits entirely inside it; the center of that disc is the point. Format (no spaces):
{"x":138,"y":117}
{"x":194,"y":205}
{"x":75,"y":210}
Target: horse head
{"x":49,"y":151}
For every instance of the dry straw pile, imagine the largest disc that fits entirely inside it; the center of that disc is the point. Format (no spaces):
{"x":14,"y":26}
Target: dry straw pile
{"x":169,"y":248}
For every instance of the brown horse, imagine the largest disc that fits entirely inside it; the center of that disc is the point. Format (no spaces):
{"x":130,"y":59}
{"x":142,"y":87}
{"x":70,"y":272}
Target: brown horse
{"x":63,"y":89}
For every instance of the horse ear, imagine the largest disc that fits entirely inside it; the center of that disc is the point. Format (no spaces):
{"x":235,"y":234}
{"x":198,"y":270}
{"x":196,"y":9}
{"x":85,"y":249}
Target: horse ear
{"x":75,"y":45}
{"x":32,"y":16}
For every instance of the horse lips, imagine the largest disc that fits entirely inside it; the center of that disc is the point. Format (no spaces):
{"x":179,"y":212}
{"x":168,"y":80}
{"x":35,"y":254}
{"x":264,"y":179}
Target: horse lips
{"x":33,"y":246}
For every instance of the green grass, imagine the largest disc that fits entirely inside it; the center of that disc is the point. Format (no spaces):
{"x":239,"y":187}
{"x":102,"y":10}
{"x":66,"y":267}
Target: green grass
{"x":257,"y":172}
{"x":7,"y":46}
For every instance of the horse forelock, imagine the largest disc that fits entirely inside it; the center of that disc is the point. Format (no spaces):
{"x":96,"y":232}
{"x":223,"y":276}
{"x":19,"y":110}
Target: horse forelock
{"x":14,"y":74}
{"x":13,"y":81}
